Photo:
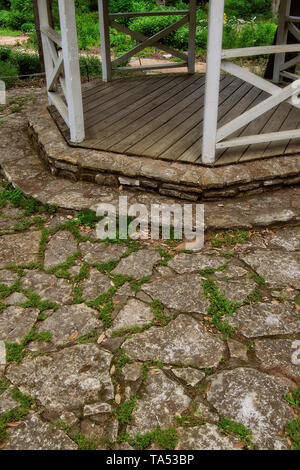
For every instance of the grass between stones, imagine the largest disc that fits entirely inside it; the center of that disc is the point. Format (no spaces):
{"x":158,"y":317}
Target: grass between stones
{"x":229,"y":238}
{"x":4,"y":385}
{"x":237,"y":430}
{"x":165,"y":256}
{"x":15,"y":352}
{"x":148,"y":365}
{"x":83,"y":443}
{"x":15,"y":197}
{"x":124,"y":413}
{"x":88,"y":338}
{"x":207,"y":271}
{"x":220,"y":307}
{"x":164,"y":438}
{"x":293,"y":398}
{"x":190,"y":419}
{"x":17,"y":414}
{"x":160,"y":318}
{"x":292,"y":430}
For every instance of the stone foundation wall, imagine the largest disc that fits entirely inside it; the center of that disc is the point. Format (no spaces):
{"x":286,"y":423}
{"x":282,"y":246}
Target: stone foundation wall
{"x":180,"y":180}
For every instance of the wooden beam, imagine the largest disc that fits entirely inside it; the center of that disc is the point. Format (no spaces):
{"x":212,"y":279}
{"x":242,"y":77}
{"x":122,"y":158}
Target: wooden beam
{"x":192,"y":35}
{"x":259,"y":139}
{"x":152,"y":67}
{"x":105,"y":41}
{"x":56,"y":72}
{"x":72,"y":70}
{"x":261,"y":50}
{"x":44,"y":21}
{"x":52,"y":34}
{"x":148,"y":13}
{"x":282,"y":35}
{"x":213,"y":74}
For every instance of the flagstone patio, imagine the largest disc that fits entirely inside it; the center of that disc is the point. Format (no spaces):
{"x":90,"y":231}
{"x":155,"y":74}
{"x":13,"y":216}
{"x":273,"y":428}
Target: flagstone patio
{"x":145,"y":346}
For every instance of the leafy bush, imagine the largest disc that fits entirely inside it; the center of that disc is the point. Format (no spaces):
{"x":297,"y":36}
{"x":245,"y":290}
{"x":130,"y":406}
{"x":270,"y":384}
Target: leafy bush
{"x":28,"y":27}
{"x":88,"y":30}
{"x":27,"y":63}
{"x":4,"y":17}
{"x":13,"y":64}
{"x":5,"y":54}
{"x":90,"y":66}
{"x":10,"y":70}
{"x":257,"y":34}
{"x":248,"y":9}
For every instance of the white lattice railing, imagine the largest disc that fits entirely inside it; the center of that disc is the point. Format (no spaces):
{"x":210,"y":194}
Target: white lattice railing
{"x":107,"y":20}
{"x":218,"y":59}
{"x":61,"y":58}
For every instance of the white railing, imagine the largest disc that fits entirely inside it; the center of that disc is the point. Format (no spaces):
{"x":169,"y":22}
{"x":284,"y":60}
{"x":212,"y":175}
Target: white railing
{"x":107,"y":20}
{"x":217,"y":60}
{"x":62,"y":69}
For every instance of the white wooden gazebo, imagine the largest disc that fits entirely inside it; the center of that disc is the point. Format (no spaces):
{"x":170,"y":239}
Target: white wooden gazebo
{"x":217,"y":135}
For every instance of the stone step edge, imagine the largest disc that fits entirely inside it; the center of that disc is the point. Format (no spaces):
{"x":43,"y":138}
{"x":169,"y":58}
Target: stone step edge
{"x":181,"y":180}
{"x":275,"y":208}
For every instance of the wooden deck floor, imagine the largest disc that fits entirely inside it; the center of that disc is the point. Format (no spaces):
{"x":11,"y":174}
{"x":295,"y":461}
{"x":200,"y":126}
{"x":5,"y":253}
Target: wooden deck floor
{"x":161,"y":116}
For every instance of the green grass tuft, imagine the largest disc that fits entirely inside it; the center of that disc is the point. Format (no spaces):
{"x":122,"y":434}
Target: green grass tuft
{"x":237,"y":429}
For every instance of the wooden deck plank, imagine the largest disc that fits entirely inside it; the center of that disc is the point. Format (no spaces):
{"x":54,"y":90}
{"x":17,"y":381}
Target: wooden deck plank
{"x":176,"y":128}
{"x":96,"y":122}
{"x":228,"y":97}
{"x":109,"y":87}
{"x":157,"y":141}
{"x":161,"y":126}
{"x":121,"y":140}
{"x":104,"y":94}
{"x":294,"y":145}
{"x":134,"y":112}
{"x":161,"y":117}
{"x":108,"y":125}
{"x":102,"y":102}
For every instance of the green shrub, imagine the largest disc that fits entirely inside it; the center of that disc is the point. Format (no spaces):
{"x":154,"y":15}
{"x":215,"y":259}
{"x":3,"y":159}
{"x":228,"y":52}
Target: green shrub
{"x":28,"y":27}
{"x":90,"y":66}
{"x":5,"y":17}
{"x":88,"y":30}
{"x":257,"y":34}
{"x":5,"y":54}
{"x":248,"y":9}
{"x":8,"y":73}
{"x":27,"y":63}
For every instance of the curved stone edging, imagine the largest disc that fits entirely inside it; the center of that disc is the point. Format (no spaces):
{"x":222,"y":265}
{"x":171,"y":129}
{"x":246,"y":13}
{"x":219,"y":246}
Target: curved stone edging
{"x":21,"y":165}
{"x":174,"y":179}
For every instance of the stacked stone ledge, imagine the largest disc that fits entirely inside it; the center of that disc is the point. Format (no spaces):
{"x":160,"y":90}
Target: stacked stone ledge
{"x":173,"y":179}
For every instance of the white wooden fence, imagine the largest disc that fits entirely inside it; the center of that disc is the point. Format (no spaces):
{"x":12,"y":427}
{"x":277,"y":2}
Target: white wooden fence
{"x":62,"y":68}
{"x":217,"y":60}
{"x":108,"y":20}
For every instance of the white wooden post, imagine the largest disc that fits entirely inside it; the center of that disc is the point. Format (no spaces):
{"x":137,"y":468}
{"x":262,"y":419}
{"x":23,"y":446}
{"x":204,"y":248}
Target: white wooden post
{"x":192,"y":35}
{"x":72,"y":69}
{"x":105,"y":41}
{"x":43,"y":12}
{"x":282,"y":34}
{"x":213,"y":72}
